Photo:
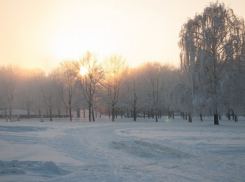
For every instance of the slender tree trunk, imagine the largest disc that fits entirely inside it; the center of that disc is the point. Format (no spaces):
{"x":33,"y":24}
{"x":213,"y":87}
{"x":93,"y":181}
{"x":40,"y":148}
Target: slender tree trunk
{"x":113,"y":113}
{"x":109,"y":113}
{"x":216,"y":118}
{"x":83,"y":113}
{"x":70,"y":110}
{"x":190,"y":118}
{"x":89,"y":113}
{"x":28,"y":113}
{"x":134,"y":113}
{"x":173,"y":114}
{"x":70,"y":114}
{"x":59,"y":113}
{"x":144,"y":114}
{"x":10,"y":113}
{"x":201,"y":116}
{"x":121,"y":113}
{"x":236,"y":118}
{"x":116,"y":112}
{"x":156,"y":117}
{"x":93,"y":115}
{"x":50,"y":115}
{"x":233,"y":115}
{"x":78,"y":113}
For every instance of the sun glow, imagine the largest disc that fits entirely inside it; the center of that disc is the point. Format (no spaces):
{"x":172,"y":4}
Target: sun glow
{"x":83,"y":71}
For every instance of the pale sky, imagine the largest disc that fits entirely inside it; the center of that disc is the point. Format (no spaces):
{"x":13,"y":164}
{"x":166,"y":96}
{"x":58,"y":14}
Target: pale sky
{"x":42,"y":33}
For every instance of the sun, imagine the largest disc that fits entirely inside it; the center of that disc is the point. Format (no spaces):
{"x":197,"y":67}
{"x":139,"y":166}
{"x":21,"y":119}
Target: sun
{"x":83,"y":71}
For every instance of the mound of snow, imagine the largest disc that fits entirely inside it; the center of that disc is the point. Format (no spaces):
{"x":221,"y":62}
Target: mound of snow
{"x":162,"y":149}
{"x":12,"y":170}
{"x":52,"y":167}
{"x":15,"y":163}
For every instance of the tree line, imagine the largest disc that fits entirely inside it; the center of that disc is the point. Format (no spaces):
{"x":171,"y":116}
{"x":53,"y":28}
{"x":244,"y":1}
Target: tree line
{"x":109,"y":87}
{"x":209,"y":80}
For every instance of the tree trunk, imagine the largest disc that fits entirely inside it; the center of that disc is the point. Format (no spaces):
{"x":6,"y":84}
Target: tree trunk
{"x":144,"y":114}
{"x":83,"y":113}
{"x":216,"y":119}
{"x":236,"y":118}
{"x":173,"y":114}
{"x":201,"y":116}
{"x":50,"y":115}
{"x":59,"y":113}
{"x":93,"y":115}
{"x":190,"y":118}
{"x":70,"y":110}
{"x":121,"y":113}
{"x":28,"y":113}
{"x":134,"y":113}
{"x":233,"y":115}
{"x":109,"y":113}
{"x":89,"y":112}
{"x":113,"y":113}
{"x":156,"y":117}
{"x":70,"y":115}
{"x":78,"y":113}
{"x":116,"y":113}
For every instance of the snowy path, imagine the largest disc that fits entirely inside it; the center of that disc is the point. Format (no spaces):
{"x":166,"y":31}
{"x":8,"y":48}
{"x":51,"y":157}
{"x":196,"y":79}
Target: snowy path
{"x":123,"y":151}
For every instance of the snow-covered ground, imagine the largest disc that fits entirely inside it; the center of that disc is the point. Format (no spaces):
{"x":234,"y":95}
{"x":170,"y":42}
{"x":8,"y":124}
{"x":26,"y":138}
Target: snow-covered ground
{"x":170,"y":150}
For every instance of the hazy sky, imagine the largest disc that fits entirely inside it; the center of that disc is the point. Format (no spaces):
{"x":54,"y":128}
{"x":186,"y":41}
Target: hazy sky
{"x":41,"y":33}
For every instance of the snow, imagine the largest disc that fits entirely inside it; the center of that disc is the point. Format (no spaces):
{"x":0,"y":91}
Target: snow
{"x":124,"y":150}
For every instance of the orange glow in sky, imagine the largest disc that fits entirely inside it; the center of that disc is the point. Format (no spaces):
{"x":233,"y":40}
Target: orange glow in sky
{"x":41,"y":33}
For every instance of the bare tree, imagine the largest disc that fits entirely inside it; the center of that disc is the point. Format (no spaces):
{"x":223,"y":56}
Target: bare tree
{"x":67,"y":75}
{"x":50,"y":92}
{"x":154,"y":80}
{"x":91,"y":77}
{"x":115,"y":68}
{"x":10,"y":75}
{"x":133,"y":90}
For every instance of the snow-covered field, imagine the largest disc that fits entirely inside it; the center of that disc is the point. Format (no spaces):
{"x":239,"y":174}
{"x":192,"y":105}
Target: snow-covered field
{"x":170,"y":150}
